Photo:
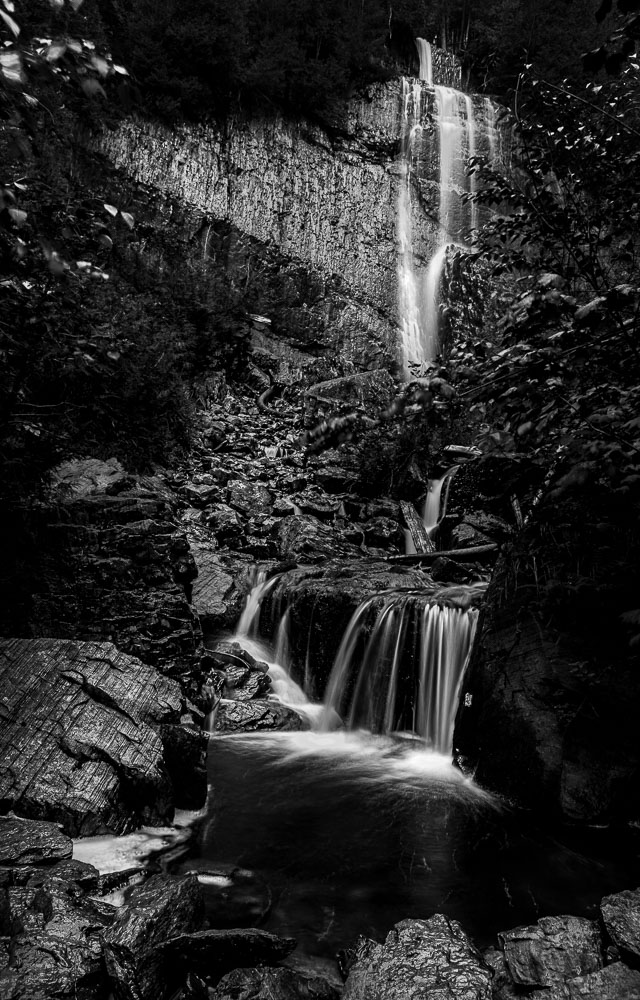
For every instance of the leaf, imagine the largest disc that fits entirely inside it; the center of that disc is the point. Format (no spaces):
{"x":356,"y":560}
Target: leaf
{"x":631,"y":617}
{"x":11,"y":24}
{"x":91,"y":86}
{"x":128,"y":218}
{"x":111,"y":209}
{"x":55,"y":51}
{"x":11,"y":67}
{"x":105,"y":241}
{"x":76,"y":4}
{"x":18,"y":216}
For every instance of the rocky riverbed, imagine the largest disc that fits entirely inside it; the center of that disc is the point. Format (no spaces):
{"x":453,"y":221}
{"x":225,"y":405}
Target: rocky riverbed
{"x":118,"y":646}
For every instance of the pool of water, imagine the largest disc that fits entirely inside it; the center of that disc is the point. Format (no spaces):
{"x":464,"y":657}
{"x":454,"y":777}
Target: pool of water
{"x":353,"y":832}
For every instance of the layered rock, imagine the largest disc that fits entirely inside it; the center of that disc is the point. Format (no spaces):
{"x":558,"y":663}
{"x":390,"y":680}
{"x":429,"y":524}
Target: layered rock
{"x":79,"y":743}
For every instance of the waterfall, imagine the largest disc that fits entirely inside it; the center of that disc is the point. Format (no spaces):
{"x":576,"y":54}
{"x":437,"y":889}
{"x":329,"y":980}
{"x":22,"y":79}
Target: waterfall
{"x":435,"y":505}
{"x":400,"y":666}
{"x":465,"y":128}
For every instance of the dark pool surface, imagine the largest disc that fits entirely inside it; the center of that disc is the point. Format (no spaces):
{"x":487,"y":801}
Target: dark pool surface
{"x":354,"y":832}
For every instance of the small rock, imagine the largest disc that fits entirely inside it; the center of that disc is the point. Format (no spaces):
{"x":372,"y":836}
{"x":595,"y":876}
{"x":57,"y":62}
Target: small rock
{"x":251,"y":716}
{"x":249,"y":498}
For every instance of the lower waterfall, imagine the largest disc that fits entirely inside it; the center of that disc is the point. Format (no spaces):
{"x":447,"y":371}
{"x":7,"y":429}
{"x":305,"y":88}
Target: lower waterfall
{"x":399,"y":667}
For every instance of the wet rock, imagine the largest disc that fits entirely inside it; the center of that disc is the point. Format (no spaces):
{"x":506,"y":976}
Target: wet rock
{"x":230,"y":652}
{"x":252,"y":716}
{"x":224,"y":522}
{"x":185,"y":753}
{"x":56,"y":943}
{"x":554,"y":949}
{"x":245,"y":684}
{"x":615,"y":982}
{"x":496,"y":529}
{"x":86,"y":476}
{"x":383,"y":507}
{"x":77,"y":743}
{"x":464,"y":536}
{"x":249,"y":498}
{"x":449,"y":571}
{"x":419,"y":958}
{"x":366,"y":391}
{"x":210,"y":954}
{"x":107,"y":567}
{"x":502,"y":983}
{"x":79,"y":872}
{"x":306,"y":539}
{"x":621,"y":917}
{"x":27,"y":842}
{"x":201,"y":495}
{"x":273,"y":984}
{"x":135,"y":946}
{"x":320,"y":601}
{"x":383,"y":531}
{"x":214,"y":594}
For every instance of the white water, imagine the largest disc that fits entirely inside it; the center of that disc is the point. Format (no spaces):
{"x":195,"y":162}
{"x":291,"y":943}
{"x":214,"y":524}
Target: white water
{"x":464,"y":128}
{"x":403,"y":671}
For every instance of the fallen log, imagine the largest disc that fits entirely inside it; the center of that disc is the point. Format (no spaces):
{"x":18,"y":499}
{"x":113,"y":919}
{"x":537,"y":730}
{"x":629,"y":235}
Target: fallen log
{"x":421,"y":541}
{"x":475,"y":552}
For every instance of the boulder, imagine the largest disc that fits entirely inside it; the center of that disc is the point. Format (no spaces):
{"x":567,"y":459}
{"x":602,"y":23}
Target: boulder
{"x":25,"y":842}
{"x":249,"y":498}
{"x":214,"y":594}
{"x":251,"y":716}
{"x":554,"y":949}
{"x":56,"y":943}
{"x":305,"y":538}
{"x":212,"y":953}
{"x":77,"y":744}
{"x":273,"y":984}
{"x":224,"y":522}
{"x":419,"y":959}
{"x":135,"y":946}
{"x":621,"y":917}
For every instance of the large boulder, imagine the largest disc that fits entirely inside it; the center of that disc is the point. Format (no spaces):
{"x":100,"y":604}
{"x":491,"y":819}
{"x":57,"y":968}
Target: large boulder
{"x":264,"y":983}
{"x":24,"y":842}
{"x":78,"y":743}
{"x":615,"y":982}
{"x":419,"y":959}
{"x":212,"y":953}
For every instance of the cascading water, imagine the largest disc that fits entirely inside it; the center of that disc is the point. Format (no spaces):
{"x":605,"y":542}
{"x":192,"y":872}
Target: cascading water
{"x":465,"y":127}
{"x":400,"y":666}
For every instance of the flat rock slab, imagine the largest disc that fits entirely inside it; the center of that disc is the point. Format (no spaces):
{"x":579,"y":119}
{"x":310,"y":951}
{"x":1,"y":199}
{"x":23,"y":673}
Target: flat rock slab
{"x":76,"y":741}
{"x":551,"y":951}
{"x":25,"y":842}
{"x":214,"y":594}
{"x":420,"y":959}
{"x":134,"y":946}
{"x":621,"y":917}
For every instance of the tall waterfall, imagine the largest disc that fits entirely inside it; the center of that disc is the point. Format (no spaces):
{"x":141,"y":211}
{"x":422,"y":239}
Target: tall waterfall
{"x":400,"y":667}
{"x":465,"y":128}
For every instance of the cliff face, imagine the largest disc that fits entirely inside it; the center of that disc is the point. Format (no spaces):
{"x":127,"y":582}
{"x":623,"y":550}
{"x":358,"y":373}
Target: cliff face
{"x":317,"y":209}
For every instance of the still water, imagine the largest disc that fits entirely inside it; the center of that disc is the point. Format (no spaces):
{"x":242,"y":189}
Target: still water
{"x":353,"y":832}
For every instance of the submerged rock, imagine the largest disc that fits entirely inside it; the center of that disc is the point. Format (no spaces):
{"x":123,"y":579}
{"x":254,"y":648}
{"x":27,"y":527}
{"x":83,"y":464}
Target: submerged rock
{"x":77,"y":743}
{"x":419,"y":959}
{"x":554,"y":949}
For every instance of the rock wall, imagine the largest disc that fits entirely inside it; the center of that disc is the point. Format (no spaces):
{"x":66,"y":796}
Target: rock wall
{"x":299,"y":196}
